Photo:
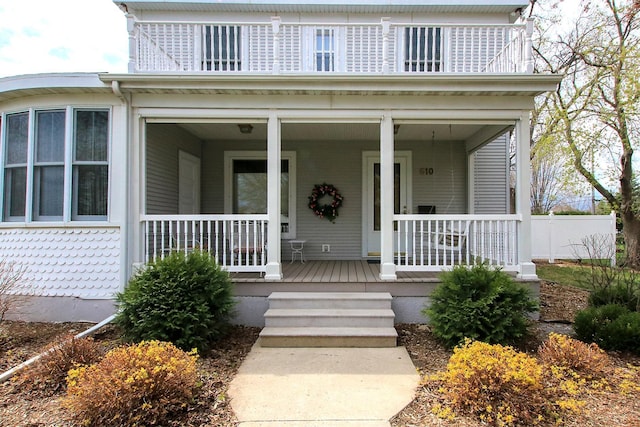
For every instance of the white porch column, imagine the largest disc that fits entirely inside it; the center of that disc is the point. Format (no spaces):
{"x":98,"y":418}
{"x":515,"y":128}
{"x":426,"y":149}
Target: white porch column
{"x":274,"y":268}
{"x":387,"y":267}
{"x":523,"y":205}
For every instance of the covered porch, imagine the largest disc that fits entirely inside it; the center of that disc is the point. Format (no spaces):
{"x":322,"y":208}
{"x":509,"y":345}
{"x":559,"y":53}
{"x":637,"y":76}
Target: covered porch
{"x":417,"y":200}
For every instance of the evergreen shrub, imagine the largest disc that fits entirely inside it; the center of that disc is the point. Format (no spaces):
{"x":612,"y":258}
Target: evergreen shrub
{"x":183,"y":299}
{"x":481,"y":304}
{"x":612,"y":327}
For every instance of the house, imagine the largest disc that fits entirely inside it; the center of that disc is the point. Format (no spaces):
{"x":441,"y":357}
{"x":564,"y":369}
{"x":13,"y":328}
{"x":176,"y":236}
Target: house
{"x":392,"y":119}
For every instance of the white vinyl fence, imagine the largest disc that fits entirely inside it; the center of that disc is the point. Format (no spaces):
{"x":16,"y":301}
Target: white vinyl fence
{"x":562,"y":236}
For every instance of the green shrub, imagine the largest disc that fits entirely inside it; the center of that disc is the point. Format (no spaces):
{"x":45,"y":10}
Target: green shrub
{"x":479,"y":303}
{"x":612,"y":327}
{"x":620,"y":294}
{"x":136,"y":385}
{"x":183,"y":299}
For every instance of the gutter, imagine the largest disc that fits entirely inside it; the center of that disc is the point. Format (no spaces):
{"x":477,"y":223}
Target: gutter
{"x":92,"y":330}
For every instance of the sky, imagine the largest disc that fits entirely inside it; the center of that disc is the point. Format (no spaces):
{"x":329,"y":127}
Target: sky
{"x":44,"y":36}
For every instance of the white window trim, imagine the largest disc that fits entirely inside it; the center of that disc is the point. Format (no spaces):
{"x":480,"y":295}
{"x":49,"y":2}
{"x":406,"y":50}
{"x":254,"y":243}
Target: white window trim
{"x":309,"y":48}
{"x":230,"y":156}
{"x":36,"y":217}
{"x":72,"y":185}
{"x":69,"y":192}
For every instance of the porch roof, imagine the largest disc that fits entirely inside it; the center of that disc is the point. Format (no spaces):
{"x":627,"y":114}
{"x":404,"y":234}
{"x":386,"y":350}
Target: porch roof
{"x":337,"y":84}
{"x":51,"y":84}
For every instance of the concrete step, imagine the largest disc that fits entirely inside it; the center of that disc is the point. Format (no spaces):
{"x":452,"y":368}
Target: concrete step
{"x":329,"y":317}
{"x":328,"y":337}
{"x":340,"y":300}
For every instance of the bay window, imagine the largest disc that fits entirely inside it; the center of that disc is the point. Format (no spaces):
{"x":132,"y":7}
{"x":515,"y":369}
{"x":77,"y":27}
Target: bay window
{"x":59,"y":170}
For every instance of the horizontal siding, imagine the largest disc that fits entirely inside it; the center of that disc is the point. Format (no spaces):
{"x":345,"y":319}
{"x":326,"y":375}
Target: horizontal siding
{"x":163,"y":143}
{"x":340,"y":164}
{"x":490,"y":177}
{"x":446,"y":187}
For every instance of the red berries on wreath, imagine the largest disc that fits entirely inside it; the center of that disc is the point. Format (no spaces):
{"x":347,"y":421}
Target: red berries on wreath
{"x":325,"y":210}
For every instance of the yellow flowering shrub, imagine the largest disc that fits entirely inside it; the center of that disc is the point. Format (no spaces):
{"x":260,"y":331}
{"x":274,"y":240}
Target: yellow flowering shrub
{"x":498,"y":384}
{"x":133,"y":385}
{"x":504,"y":387}
{"x":587,"y":359}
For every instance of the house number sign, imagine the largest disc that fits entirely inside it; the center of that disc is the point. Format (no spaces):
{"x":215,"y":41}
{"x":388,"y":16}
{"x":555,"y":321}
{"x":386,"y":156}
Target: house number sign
{"x":426,"y":171}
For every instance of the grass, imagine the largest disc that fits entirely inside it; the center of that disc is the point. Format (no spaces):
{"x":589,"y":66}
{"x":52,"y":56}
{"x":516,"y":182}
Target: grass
{"x":579,"y":275}
{"x":570,"y":275}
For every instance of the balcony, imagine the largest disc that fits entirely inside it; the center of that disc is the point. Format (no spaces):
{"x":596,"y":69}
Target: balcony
{"x":276,"y":47}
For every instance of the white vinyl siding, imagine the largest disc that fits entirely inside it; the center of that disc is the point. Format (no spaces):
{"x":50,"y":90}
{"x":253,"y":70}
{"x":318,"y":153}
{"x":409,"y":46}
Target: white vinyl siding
{"x":163,"y":143}
{"x":490,"y":175}
{"x":318,"y":162}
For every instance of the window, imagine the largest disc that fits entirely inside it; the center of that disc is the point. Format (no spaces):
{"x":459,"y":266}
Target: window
{"x":325,"y":50}
{"x":15,"y":170}
{"x":423,"y":49}
{"x":221,"y":48}
{"x":38,"y":174}
{"x":48,"y":169}
{"x":247,"y":186}
{"x":90,"y":164}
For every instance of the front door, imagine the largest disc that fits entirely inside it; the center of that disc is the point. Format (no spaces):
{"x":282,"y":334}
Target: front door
{"x":371,"y":199}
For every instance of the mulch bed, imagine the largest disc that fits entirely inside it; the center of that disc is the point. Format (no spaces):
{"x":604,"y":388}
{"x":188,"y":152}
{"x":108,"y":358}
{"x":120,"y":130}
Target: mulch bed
{"x":21,"y":408}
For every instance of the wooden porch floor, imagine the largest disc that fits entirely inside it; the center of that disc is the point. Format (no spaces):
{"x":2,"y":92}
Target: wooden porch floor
{"x":357,"y":271}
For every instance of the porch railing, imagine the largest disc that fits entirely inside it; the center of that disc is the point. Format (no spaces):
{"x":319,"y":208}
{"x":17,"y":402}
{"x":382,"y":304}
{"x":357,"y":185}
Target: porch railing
{"x":382,"y":47}
{"x":237,"y":242}
{"x":434,"y":242}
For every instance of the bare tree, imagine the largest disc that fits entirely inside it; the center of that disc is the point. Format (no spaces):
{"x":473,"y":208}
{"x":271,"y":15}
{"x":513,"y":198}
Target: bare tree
{"x":595,"y":108}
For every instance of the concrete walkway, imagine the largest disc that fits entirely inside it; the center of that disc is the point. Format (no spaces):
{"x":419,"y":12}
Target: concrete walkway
{"x":328,"y":387}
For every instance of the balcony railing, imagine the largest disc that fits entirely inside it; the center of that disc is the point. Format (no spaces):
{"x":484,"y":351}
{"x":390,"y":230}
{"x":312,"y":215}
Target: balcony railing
{"x":434,"y":242}
{"x":275,"y":47}
{"x":237,"y":242}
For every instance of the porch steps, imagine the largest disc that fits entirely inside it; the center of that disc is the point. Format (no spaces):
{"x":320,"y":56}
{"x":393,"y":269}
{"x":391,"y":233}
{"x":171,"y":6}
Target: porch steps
{"x":329,"y":319}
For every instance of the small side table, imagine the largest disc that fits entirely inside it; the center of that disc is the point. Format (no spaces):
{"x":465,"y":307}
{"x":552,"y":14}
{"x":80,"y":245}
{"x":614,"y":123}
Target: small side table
{"x":297,"y":247}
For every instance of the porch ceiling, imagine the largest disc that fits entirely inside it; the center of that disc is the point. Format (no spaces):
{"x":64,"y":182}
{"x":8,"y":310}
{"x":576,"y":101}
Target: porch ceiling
{"x":301,"y":132}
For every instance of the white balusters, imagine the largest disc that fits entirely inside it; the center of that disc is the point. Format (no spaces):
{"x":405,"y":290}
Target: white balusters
{"x":434,"y":242}
{"x":237,"y":242}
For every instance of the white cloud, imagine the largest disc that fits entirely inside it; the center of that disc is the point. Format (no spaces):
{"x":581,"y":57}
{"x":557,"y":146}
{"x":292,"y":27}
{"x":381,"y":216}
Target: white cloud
{"x":42,"y":36}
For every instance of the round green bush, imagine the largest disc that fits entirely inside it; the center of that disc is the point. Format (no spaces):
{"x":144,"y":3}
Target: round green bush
{"x":479,"y":303}
{"x":612,"y":327}
{"x":621,"y":295}
{"x":183,"y":299}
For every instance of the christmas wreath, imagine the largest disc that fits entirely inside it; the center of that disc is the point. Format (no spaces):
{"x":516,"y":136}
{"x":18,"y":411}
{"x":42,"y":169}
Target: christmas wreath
{"x":329,"y":210}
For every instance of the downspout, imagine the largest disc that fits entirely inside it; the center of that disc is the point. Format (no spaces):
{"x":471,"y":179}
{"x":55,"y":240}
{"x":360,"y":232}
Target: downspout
{"x":92,"y":330}
{"x":125,"y":240}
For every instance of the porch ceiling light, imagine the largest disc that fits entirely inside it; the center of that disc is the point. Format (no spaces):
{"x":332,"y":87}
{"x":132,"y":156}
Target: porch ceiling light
{"x":245,"y":128}
{"x":396,"y":128}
